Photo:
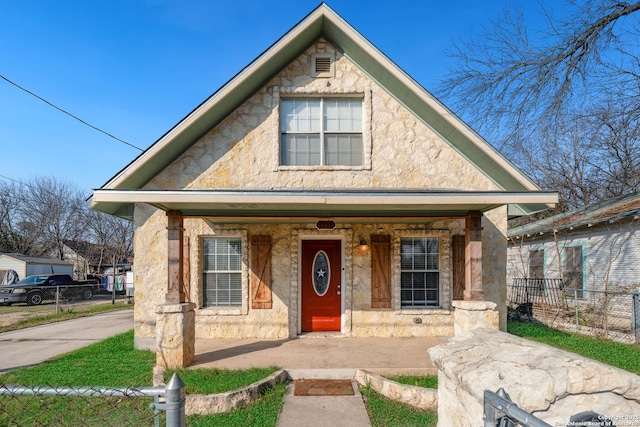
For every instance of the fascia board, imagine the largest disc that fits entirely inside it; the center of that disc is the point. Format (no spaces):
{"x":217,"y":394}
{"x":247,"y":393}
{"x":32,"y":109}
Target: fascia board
{"x":330,"y":198}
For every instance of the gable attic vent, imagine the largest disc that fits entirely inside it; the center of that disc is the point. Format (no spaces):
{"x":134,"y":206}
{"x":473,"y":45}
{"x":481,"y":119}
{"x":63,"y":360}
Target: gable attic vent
{"x":322,"y":65}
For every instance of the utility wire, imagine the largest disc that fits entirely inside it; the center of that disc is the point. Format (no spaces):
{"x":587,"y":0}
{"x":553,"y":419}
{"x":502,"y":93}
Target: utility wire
{"x":68,"y":113}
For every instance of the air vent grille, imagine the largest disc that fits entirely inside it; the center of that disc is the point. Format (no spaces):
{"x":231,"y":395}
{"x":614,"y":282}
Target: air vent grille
{"x":323,"y":64}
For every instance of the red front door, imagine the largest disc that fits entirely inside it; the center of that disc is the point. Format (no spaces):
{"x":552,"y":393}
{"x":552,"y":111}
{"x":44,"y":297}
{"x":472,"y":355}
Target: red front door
{"x":321,"y":285}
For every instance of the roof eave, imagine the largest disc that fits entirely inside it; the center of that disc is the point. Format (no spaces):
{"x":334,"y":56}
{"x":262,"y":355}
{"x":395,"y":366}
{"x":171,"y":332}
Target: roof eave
{"x":313,"y":203}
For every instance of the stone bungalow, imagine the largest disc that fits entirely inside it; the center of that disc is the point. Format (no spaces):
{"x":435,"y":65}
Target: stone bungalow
{"x":320,"y":189}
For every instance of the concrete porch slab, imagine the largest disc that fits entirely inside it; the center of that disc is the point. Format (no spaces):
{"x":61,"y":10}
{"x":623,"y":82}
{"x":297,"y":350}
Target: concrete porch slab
{"x":387,"y":356}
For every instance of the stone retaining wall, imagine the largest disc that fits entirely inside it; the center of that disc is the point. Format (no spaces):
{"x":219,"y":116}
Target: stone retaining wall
{"x":205,"y":404}
{"x":550,"y":383}
{"x":418,"y":397}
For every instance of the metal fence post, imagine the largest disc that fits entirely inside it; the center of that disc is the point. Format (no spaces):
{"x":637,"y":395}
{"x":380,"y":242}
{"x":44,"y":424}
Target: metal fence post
{"x":575,"y":304}
{"x":636,"y":314}
{"x":57,"y":299}
{"x":175,"y":402}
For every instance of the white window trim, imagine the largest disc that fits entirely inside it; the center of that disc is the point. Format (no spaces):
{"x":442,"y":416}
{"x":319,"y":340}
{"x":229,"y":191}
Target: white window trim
{"x":445,"y":265}
{"x":284,"y":92}
{"x":212,"y":311}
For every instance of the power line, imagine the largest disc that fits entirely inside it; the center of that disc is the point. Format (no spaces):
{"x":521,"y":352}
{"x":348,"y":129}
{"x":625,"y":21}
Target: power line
{"x":68,"y":113}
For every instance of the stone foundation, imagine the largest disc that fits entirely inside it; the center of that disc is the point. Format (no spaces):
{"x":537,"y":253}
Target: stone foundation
{"x":551,"y":384}
{"x":175,"y":335}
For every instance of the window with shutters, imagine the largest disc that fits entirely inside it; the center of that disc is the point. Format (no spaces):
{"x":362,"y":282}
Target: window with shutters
{"x":321,"y":132}
{"x":419,"y":272}
{"x":222,"y":272}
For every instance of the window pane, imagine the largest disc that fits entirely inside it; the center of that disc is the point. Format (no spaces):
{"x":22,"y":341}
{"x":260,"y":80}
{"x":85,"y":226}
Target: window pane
{"x":343,"y":150}
{"x":343,"y":115}
{"x":300,"y":150}
{"x":300,"y":115}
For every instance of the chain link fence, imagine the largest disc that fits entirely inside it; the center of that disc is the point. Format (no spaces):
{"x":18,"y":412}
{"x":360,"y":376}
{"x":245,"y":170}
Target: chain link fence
{"x":93,"y":406}
{"x":613,"y":315}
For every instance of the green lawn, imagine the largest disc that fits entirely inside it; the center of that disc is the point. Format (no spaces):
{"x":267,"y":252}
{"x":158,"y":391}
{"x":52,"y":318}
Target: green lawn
{"x":115,"y":363}
{"x":429,"y":381}
{"x":384,"y":412}
{"x":623,"y":356}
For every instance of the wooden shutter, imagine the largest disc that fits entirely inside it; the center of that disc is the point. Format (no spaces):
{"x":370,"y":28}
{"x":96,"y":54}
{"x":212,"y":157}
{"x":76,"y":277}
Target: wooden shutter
{"x":458,"y":245}
{"x":260,"y":272}
{"x":380,"y":271}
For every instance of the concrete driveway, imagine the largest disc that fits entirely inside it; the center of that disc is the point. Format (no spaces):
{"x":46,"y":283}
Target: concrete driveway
{"x":26,"y":347}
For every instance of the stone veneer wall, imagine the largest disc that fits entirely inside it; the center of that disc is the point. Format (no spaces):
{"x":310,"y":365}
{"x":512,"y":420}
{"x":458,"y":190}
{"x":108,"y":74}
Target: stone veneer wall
{"x":242,"y":152}
{"x":550,"y":383}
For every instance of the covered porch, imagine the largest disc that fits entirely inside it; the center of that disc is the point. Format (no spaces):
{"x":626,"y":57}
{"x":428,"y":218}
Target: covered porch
{"x":356,"y":211}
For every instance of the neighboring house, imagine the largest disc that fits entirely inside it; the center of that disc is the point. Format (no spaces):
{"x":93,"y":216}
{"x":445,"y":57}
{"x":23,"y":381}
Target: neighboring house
{"x":596,"y":247}
{"x":28,"y":265}
{"x":87,"y":258}
{"x":320,"y":189}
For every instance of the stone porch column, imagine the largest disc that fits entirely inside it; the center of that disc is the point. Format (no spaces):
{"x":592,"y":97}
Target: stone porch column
{"x":175,"y":335}
{"x":471,"y":315}
{"x":175,"y":319}
{"x":473,"y":258}
{"x":473,"y":312}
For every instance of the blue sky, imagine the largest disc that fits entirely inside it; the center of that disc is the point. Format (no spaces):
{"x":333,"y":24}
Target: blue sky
{"x":134,"y":68}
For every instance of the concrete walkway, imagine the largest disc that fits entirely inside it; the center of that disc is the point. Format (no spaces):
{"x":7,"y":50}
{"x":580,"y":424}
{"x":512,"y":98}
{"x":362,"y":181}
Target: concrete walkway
{"x":26,"y":347}
{"x":322,"y":411}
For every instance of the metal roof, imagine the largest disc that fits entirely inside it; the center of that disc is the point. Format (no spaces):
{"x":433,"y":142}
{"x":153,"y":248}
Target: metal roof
{"x":626,"y":207}
{"x":36,"y":260}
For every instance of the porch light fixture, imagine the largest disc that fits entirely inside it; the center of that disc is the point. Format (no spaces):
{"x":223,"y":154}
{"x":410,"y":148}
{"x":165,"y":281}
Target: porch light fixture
{"x":362,"y":248}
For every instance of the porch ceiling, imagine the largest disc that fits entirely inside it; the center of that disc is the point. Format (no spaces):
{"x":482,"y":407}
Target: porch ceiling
{"x":326,"y":203}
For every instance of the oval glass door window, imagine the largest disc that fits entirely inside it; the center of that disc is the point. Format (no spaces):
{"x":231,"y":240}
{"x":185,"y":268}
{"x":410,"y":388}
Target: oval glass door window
{"x":321,"y":273}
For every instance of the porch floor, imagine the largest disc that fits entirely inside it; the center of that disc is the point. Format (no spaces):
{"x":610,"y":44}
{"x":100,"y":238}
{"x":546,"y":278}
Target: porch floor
{"x":389,"y":356}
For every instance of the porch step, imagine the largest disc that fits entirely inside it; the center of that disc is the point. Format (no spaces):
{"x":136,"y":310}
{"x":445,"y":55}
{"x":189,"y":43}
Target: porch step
{"x":322,"y":374}
{"x":307,"y":335}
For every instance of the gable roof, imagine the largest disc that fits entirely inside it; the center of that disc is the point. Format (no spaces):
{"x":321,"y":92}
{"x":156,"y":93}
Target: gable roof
{"x":322,"y":22}
{"x":626,"y":207}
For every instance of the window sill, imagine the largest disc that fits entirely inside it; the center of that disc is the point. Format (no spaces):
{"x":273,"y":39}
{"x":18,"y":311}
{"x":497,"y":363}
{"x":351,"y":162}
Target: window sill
{"x":424,"y":311}
{"x":320,"y":168}
{"x":221,"y":311}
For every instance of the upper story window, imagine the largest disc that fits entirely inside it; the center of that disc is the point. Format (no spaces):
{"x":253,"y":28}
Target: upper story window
{"x":321,"y":132}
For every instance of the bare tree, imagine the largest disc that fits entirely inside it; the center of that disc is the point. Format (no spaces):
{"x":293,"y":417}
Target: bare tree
{"x":112,"y":237}
{"x":54,"y":211}
{"x":571,"y":92}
